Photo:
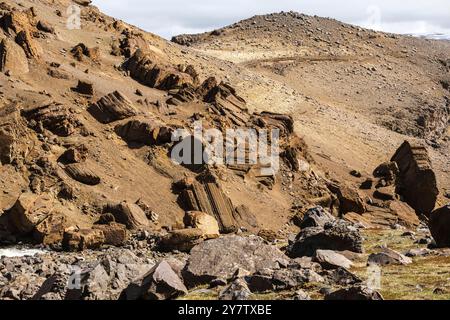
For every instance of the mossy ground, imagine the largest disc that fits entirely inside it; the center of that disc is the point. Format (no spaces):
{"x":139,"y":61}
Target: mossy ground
{"x":417,"y":281}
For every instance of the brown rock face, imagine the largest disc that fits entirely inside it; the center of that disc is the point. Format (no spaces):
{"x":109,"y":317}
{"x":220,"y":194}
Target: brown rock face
{"x":51,"y":230}
{"x":80,"y":51}
{"x":349,"y":199}
{"x":143,"y":131}
{"x":129,"y":214}
{"x":440,"y":226}
{"x":79,"y":240}
{"x":29,"y":211}
{"x":182,"y":240}
{"x":12,"y":58}
{"x":85,"y":87}
{"x":16,"y":21}
{"x":151,"y":71}
{"x":82,"y":172}
{"x":45,"y":26}
{"x":31,"y":48}
{"x":54,"y":117}
{"x":112,"y":107}
{"x":115,"y":234}
{"x":11,"y":184}
{"x":416,"y":180}
{"x":13,"y":136}
{"x":40,"y":215}
{"x":210,"y":199}
{"x":404,"y":214}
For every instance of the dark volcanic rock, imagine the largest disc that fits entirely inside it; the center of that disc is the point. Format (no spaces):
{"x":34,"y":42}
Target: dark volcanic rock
{"x":316,"y":217}
{"x":337,"y":236}
{"x":416,"y":180}
{"x":440,"y":226}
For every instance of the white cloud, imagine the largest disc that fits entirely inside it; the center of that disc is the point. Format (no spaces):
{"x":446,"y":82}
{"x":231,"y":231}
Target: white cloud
{"x":171,"y":17}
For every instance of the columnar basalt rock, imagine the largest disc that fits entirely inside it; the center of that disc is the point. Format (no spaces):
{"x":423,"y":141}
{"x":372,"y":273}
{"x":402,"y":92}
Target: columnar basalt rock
{"x":151,"y":71}
{"x":417,"y":180}
{"x":54,"y":117}
{"x":112,"y":107}
{"x":439,"y":225}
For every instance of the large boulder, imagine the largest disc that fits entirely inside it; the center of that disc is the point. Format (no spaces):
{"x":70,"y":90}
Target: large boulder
{"x":15,"y":139}
{"x":53,"y":116}
{"x":151,"y":70}
{"x":11,"y":183}
{"x":112,"y":107}
{"x":31,"y":48}
{"x":40,"y":214}
{"x":200,"y":220}
{"x":315,"y":217}
{"x":389,"y":257}
{"x":51,"y":230}
{"x":349,"y":199}
{"x":336,"y":236}
{"x":115,"y":234}
{"x":160,"y":283}
{"x":439,"y":225}
{"x":16,"y":21}
{"x":416,"y":179}
{"x":12,"y":58}
{"x":129,"y":214}
{"x":220,"y":258}
{"x":83,"y":239}
{"x":332,"y":260}
{"x":282,"y":279}
{"x":182,"y":240}
{"x":404,"y":214}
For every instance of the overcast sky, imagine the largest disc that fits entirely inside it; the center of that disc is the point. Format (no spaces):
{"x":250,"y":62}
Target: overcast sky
{"x":171,"y":17}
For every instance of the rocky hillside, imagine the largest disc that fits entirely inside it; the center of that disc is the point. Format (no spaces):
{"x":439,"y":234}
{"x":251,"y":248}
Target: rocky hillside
{"x":344,"y":80}
{"x":87,"y":120}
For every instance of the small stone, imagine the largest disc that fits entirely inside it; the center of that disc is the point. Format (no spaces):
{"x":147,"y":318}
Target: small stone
{"x":389,"y":257}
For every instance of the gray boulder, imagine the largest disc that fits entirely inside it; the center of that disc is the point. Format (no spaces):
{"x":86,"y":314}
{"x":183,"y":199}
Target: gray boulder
{"x":236,"y":291}
{"x":316,"y":217}
{"x":160,"y":283}
{"x":331,"y":260}
{"x":389,"y":256}
{"x":439,"y":225}
{"x":220,"y":258}
{"x":336,"y":236}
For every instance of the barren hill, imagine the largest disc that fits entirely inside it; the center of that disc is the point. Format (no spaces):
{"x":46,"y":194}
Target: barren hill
{"x":347,"y":84}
